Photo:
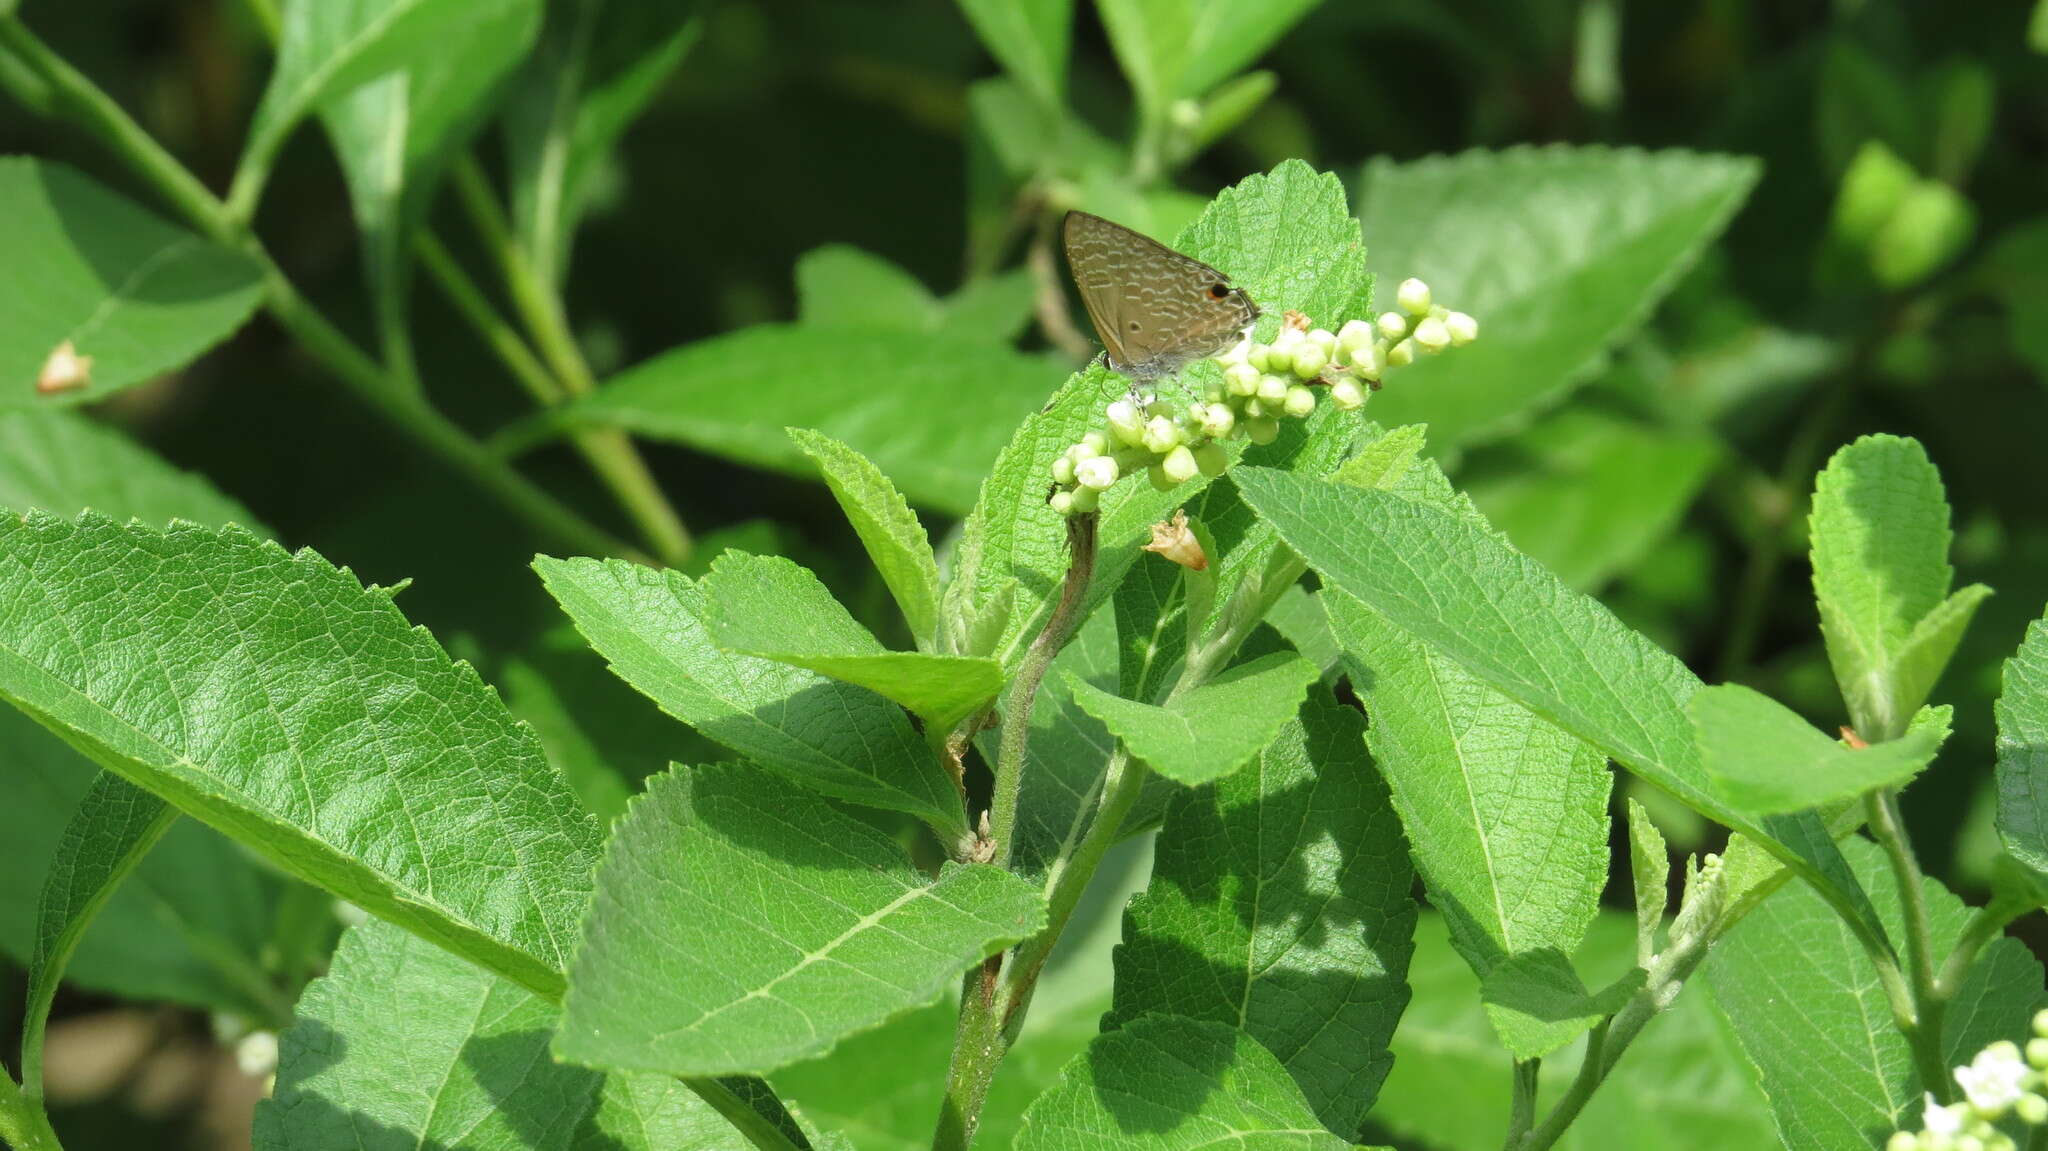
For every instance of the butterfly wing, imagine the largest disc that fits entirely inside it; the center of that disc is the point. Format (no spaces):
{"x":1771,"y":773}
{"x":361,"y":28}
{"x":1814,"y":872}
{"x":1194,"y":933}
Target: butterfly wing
{"x":1153,"y":308}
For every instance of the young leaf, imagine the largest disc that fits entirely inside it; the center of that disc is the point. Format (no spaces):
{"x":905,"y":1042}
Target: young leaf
{"x":1807,"y":1007}
{"x":1561,"y":253}
{"x":1649,"y":865}
{"x":1031,"y":38}
{"x":741,"y":925}
{"x":1592,"y":493}
{"x":1506,"y":815}
{"x":1763,"y":758}
{"x":84,"y":267}
{"x":1168,"y":1083}
{"x":895,"y":541}
{"x":842,"y":286}
{"x":1213,"y":730}
{"x":1880,"y":571}
{"x":2023,"y":753}
{"x":770,"y":607}
{"x":838,"y":739}
{"x":1451,"y":584}
{"x":598,"y":64}
{"x":473,"y":1050}
{"x":297,"y":712}
{"x":1537,"y":1004}
{"x":1280,"y":905}
{"x":1173,"y":49}
{"x":928,"y":408}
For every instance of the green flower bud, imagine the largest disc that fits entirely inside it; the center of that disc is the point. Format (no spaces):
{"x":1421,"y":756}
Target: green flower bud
{"x":1125,"y":422}
{"x":1160,"y":406}
{"x":1968,"y":1143}
{"x":1062,"y":503}
{"x":1273,"y":389}
{"x":2032,"y":1109}
{"x":1401,"y":354}
{"x":1253,"y":409}
{"x":1097,"y":472}
{"x":1413,"y":296}
{"x":1300,"y":402}
{"x":1370,"y":360}
{"x":1309,"y":361}
{"x":1355,"y":334}
{"x":1161,"y":482}
{"x":1063,"y":471}
{"x":1211,"y":459}
{"x":1393,"y":325}
{"x":1179,"y":465}
{"x":1933,"y":223}
{"x":2037,"y":1053}
{"x":1902,"y":1141}
{"x":1260,"y":357}
{"x":1162,"y":434}
{"x":1084,"y":449}
{"x":1431,"y":335}
{"x":1347,"y":395}
{"x":1262,"y":430}
{"x":1462,"y":328}
{"x":1086,"y":500}
{"x":1325,"y":339}
{"x":1217,"y":420}
{"x":1288,"y":340}
{"x":1242,"y":379}
{"x":2041,"y":1023}
{"x":1096,"y":441}
{"x":1872,"y":188}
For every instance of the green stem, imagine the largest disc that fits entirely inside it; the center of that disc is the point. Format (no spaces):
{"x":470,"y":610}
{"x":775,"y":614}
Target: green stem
{"x":758,"y":1129}
{"x":1522,"y":1106}
{"x":77,"y":99}
{"x":23,"y":1124}
{"x":496,"y":332}
{"x":1066,"y":616}
{"x":611,"y":453}
{"x":1922,"y":1027}
{"x":1985,"y":925}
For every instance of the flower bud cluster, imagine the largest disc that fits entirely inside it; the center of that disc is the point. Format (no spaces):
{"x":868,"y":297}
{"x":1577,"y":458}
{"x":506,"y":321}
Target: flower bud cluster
{"x":1174,"y":441}
{"x":2002,"y":1080}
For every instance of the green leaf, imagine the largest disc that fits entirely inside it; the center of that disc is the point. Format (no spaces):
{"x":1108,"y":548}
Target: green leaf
{"x":895,"y":541}
{"x":2016,"y":271}
{"x":1452,"y":585}
{"x":1880,"y":571}
{"x":1649,"y":865}
{"x":1287,"y":238}
{"x":1537,"y":1004}
{"x":2023,"y":753}
{"x":1030,"y":38}
{"x":740,"y":926}
{"x":1560,"y":253}
{"x":1807,"y":1008}
{"x":63,"y":463}
{"x":1590,"y":493}
{"x":1763,"y":758}
{"x":273,"y":697}
{"x":115,"y":826}
{"x":597,"y":66}
{"x":1298,"y":616}
{"x":394,"y":134}
{"x":776,"y":609}
{"x":82,"y":265}
{"x":839,"y":285}
{"x":474,"y":1049}
{"x":1506,"y":815}
{"x":929,"y":409}
{"x":1213,"y":730}
{"x":1172,"y":49}
{"x":838,"y":739}
{"x":1280,"y":905}
{"x":1683,"y":1086}
{"x":1174,"y":1084}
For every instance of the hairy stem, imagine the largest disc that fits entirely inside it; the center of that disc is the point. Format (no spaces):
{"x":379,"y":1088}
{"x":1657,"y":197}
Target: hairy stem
{"x":1059,"y":628}
{"x":1923,"y":1028}
{"x":23,"y":1124}
{"x":1528,"y":1074}
{"x":1986,"y":924}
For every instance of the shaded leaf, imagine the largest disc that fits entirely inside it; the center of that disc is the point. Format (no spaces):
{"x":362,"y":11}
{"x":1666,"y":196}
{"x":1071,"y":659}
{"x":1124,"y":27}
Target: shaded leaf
{"x":2023,"y":753}
{"x":1537,"y":1004}
{"x":1213,"y":730}
{"x":1030,"y":38}
{"x":1172,"y":49}
{"x":1763,"y":758}
{"x":64,"y":463}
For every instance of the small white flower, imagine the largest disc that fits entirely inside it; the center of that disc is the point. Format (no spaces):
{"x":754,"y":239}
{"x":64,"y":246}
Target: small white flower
{"x":256,"y":1054}
{"x":1936,"y":1119}
{"x":1097,"y":472}
{"x":1393,"y":325}
{"x":1996,"y":1079}
{"x":1286,"y":343}
{"x":1463,"y":328}
{"x":1413,"y":296}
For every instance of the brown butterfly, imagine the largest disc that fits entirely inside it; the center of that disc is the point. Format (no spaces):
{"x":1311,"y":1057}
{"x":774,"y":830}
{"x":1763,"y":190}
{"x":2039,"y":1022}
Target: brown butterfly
{"x":1154,"y":309}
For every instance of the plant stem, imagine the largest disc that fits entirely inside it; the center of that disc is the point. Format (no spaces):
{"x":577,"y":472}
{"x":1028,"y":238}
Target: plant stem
{"x":1522,"y":1107}
{"x":1922,"y":1028}
{"x":611,"y":453}
{"x":77,"y":99}
{"x":758,"y":1129}
{"x":1985,"y":925}
{"x":496,"y":332}
{"x":23,"y":1124}
{"x":1059,"y":628}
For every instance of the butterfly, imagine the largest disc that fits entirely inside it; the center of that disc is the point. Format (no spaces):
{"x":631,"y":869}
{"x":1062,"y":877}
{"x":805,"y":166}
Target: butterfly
{"x":1154,"y":309}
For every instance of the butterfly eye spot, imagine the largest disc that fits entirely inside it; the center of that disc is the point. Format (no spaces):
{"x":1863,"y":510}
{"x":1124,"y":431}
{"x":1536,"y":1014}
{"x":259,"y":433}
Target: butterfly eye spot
{"x":1219,"y":291}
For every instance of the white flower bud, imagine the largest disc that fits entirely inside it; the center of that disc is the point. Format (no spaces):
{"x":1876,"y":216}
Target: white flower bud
{"x":1347,"y":395}
{"x":1061,"y":502}
{"x":1260,"y":357}
{"x":1325,"y":339}
{"x":1179,"y":465}
{"x":1401,"y":354}
{"x":1242,"y":379}
{"x":1238,"y":352}
{"x":1097,"y":472}
{"x":1273,"y":389}
{"x":1162,"y":434}
{"x":1431,"y":336}
{"x":1300,"y":402}
{"x":1309,"y":361}
{"x":1353,"y":335}
{"x":1286,"y":343}
{"x":1413,"y":296}
{"x":1063,"y":470}
{"x":1211,"y":459}
{"x":1125,"y":422}
{"x":1393,"y":325}
{"x":1263,"y":430}
{"x":1086,"y":500}
{"x":1462,"y":328}
{"x":1217,"y":420}
{"x":1370,"y":360}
